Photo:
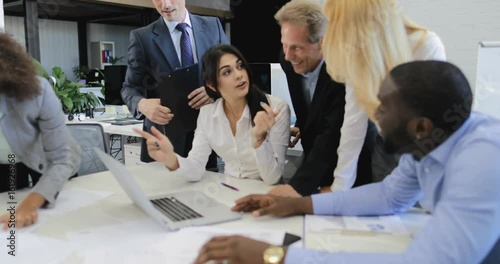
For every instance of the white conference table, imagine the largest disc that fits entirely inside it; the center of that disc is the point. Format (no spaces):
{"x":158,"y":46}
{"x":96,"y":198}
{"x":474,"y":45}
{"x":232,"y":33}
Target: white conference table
{"x":154,"y":179}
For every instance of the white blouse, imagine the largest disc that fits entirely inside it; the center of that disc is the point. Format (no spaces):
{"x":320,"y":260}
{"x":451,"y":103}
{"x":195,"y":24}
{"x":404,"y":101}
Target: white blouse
{"x":213,"y":132}
{"x":353,"y":130}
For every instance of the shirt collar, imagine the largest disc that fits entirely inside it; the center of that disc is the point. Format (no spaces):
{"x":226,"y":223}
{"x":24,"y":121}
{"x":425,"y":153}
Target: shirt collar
{"x":219,"y":110}
{"x":172,"y":24}
{"x":315,"y":73}
{"x":443,"y":152}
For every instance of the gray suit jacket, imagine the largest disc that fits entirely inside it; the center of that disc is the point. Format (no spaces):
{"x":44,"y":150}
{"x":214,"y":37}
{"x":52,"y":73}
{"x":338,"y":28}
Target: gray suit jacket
{"x":37,"y":133}
{"x":151,"y":55}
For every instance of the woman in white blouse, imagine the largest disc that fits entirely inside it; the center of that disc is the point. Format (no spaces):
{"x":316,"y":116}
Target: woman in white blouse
{"x":364,"y":40}
{"x":248,"y":129}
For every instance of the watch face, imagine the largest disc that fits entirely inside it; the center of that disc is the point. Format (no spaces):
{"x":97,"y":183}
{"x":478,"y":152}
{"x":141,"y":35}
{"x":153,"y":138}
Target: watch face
{"x":273,"y":255}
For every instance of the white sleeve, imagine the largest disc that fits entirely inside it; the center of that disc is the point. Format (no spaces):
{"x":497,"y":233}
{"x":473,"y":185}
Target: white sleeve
{"x":193,"y":166}
{"x":353,"y":133}
{"x":271,"y":154}
{"x":431,"y":49}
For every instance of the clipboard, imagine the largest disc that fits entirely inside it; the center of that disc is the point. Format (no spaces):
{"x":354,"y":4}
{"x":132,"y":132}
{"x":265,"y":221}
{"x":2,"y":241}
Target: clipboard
{"x":174,"y":90}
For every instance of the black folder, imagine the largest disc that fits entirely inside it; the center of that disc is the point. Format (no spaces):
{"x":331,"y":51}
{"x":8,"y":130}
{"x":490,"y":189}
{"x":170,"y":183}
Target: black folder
{"x":174,"y":89}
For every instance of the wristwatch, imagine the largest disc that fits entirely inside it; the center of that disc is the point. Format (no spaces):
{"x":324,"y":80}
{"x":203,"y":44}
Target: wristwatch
{"x":274,"y":255}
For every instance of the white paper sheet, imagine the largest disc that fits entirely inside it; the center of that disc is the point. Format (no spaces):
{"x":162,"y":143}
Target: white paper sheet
{"x":377,"y":234}
{"x":383,"y":224}
{"x":72,"y":199}
{"x":31,"y":248}
{"x":144,"y":242}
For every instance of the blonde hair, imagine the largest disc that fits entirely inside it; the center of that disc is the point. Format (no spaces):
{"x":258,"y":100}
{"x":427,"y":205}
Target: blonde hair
{"x":307,"y":13}
{"x":364,"y":41}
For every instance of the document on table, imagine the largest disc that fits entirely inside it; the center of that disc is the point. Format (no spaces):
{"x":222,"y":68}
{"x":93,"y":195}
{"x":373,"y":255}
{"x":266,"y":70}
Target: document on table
{"x":143,"y":242}
{"x":71,"y":199}
{"x":385,"y":224}
{"x":386,"y":234}
{"x":30,"y":248}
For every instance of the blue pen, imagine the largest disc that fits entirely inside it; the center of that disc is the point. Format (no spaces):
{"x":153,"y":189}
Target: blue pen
{"x":229,"y":186}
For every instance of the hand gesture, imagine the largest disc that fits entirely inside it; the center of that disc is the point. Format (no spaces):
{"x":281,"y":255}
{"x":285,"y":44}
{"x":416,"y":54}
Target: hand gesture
{"x":234,"y":249}
{"x":199,"y":98}
{"x":285,"y":190}
{"x":154,"y":111}
{"x":264,"y":121}
{"x":294,"y":132}
{"x":159,"y":147}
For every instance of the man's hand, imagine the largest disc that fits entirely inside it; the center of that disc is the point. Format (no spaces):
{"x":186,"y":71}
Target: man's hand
{"x":261,"y":205}
{"x":26,"y":214}
{"x":159,"y":147}
{"x":285,"y":190}
{"x":234,"y":249}
{"x":264,"y":121}
{"x":154,"y":111}
{"x":199,"y":98}
{"x":294,"y":132}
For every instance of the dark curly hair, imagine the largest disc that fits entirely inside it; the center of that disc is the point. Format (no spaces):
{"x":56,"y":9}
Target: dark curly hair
{"x":18,"y":78}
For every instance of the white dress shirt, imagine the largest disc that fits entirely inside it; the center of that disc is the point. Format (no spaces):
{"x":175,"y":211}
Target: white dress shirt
{"x":353,"y":130}
{"x":213,"y":132}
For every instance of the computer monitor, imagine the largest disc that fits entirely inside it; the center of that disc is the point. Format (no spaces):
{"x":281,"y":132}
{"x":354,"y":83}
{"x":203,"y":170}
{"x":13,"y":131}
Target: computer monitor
{"x":115,"y":76}
{"x":95,"y":76}
{"x":279,"y":87}
{"x":262,"y":76}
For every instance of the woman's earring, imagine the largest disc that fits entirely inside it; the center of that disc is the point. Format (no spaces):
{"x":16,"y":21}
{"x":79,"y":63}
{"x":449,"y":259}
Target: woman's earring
{"x":419,"y":136}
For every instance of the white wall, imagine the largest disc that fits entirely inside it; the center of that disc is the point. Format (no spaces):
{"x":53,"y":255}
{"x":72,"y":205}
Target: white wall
{"x":118,"y":34}
{"x":461,"y":24}
{"x":58,"y":42}
{"x":1,"y":16}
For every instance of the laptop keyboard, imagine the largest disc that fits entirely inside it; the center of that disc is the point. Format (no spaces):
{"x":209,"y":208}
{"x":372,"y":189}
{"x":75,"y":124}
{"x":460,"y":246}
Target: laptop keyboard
{"x":174,"y":209}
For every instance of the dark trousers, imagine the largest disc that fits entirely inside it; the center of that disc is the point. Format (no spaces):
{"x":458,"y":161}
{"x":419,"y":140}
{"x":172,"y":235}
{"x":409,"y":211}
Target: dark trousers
{"x":182,"y":146}
{"x":20,"y":173}
{"x":364,"y":168}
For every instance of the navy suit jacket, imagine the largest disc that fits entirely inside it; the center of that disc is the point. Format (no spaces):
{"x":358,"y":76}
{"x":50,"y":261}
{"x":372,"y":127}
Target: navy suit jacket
{"x":151,"y":54}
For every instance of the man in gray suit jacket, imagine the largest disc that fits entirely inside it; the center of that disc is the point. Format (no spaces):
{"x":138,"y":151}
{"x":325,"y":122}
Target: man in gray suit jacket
{"x":155,"y":50}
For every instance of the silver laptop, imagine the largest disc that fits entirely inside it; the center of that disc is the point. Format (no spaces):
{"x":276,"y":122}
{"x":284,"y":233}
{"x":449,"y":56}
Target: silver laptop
{"x":172,"y":211}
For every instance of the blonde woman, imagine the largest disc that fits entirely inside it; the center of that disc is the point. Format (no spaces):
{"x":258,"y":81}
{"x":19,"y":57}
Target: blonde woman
{"x":364,"y":40}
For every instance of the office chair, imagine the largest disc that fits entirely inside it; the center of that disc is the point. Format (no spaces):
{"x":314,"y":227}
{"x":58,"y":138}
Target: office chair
{"x":88,"y":136}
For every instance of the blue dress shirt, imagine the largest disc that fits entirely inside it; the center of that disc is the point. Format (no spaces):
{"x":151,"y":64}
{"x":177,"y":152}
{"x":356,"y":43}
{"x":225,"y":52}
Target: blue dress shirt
{"x":458,"y":182}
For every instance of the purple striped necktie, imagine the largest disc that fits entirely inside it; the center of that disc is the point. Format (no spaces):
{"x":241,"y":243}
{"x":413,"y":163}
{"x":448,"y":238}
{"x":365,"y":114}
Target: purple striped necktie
{"x":186,"y":49}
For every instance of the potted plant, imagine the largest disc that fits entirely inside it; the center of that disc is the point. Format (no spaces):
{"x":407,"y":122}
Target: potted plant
{"x":81,"y":73}
{"x":115,"y":60}
{"x":72,"y":99}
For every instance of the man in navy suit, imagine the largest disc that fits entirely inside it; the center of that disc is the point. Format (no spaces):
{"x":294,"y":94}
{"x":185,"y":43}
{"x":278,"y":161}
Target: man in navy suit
{"x":155,"y":50}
